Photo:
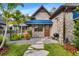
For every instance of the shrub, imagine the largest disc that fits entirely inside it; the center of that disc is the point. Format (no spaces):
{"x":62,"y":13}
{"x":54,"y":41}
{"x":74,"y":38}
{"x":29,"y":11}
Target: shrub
{"x":76,"y":42}
{"x":1,"y":38}
{"x":76,"y":33}
{"x":27,"y":35}
{"x":10,"y":31}
{"x":15,"y":37}
{"x":30,"y":32}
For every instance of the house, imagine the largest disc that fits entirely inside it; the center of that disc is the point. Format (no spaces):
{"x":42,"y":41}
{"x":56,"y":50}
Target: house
{"x":61,"y":22}
{"x":40,"y":22}
{"x":63,"y":19}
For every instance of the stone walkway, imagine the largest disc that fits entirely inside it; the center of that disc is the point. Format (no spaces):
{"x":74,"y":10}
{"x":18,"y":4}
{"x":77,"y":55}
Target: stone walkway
{"x":36,"y":50}
{"x":33,"y":41}
{"x":37,"y":46}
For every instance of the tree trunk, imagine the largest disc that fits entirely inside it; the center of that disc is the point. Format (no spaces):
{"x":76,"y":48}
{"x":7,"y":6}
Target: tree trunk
{"x":21,"y":29}
{"x":4,"y":37}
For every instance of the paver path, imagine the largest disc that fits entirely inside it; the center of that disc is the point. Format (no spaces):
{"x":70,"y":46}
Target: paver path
{"x":33,"y":41}
{"x":37,"y":46}
{"x":36,"y":50}
{"x":36,"y":53}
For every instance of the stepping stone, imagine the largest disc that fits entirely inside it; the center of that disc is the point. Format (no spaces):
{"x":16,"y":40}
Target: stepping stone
{"x":36,"y":53}
{"x":30,"y":48}
{"x":38,"y":46}
{"x":39,"y":42}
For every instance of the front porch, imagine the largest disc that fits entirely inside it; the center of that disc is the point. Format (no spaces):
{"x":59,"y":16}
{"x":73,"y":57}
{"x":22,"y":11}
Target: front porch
{"x":40,"y":28}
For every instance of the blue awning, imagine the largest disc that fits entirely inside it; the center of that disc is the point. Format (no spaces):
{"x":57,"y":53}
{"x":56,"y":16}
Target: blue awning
{"x":39,"y":22}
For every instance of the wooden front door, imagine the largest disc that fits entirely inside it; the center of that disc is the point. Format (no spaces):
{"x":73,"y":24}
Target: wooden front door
{"x":47,"y":31}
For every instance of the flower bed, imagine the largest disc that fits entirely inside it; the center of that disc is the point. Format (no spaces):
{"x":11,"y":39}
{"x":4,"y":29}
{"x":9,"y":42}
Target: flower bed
{"x":4,"y":50}
{"x":71,"y":48}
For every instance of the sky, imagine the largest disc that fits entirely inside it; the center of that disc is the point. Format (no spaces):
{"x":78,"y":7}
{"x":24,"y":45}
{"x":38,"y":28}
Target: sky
{"x":30,"y":8}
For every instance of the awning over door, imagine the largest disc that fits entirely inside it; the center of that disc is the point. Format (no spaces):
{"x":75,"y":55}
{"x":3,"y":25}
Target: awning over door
{"x":49,"y":22}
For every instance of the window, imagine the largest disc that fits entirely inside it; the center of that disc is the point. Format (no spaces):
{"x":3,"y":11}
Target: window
{"x":38,"y":28}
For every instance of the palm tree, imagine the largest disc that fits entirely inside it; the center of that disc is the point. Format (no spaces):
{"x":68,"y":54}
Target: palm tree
{"x":19,"y":18}
{"x":23,"y":20}
{"x":6,"y":14}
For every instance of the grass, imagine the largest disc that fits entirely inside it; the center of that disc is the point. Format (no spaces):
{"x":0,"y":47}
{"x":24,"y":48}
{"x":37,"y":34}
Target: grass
{"x":16,"y":49}
{"x":56,"y":50}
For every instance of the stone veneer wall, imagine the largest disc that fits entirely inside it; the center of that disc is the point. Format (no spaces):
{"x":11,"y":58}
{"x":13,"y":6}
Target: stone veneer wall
{"x":69,"y":26}
{"x":37,"y":33}
{"x":58,"y":26}
{"x":42,"y":16}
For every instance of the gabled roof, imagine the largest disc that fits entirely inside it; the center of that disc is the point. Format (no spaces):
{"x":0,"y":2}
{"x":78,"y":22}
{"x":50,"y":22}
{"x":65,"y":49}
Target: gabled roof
{"x":42,"y":7}
{"x":70,"y":7}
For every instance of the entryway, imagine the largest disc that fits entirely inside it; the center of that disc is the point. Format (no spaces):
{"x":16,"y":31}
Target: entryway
{"x":46,"y":31}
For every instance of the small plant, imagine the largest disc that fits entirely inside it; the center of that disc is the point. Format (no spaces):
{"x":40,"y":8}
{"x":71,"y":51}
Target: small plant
{"x":30,"y":32}
{"x":27,"y":35}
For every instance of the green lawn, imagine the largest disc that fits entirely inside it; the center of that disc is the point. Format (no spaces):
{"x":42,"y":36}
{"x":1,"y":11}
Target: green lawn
{"x":56,"y":50}
{"x":16,"y":49}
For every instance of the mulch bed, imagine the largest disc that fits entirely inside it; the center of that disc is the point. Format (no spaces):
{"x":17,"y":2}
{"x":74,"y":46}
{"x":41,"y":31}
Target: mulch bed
{"x":71,"y":48}
{"x":4,"y":50}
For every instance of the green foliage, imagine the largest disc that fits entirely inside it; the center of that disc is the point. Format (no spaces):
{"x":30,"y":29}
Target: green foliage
{"x":19,"y":17}
{"x":76,"y":30}
{"x":1,"y":38}
{"x":76,"y":9}
{"x":30,"y":32}
{"x":10,"y":31}
{"x":15,"y":37}
{"x":56,"y":50}
{"x":16,"y":49}
{"x":76,"y":42}
{"x":76,"y":33}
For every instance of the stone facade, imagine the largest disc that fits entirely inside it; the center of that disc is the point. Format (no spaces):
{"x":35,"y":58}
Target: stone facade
{"x":42,"y":14}
{"x":58,"y":26}
{"x":37,"y":33}
{"x":69,"y":26}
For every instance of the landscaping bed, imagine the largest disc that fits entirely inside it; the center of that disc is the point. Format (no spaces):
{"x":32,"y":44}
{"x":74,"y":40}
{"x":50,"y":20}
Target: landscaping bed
{"x":4,"y":50}
{"x":56,"y":50}
{"x":16,"y":49}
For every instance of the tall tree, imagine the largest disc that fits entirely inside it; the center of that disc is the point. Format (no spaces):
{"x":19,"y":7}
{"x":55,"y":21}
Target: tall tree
{"x":6,"y":14}
{"x":19,"y":18}
{"x":76,"y":29}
